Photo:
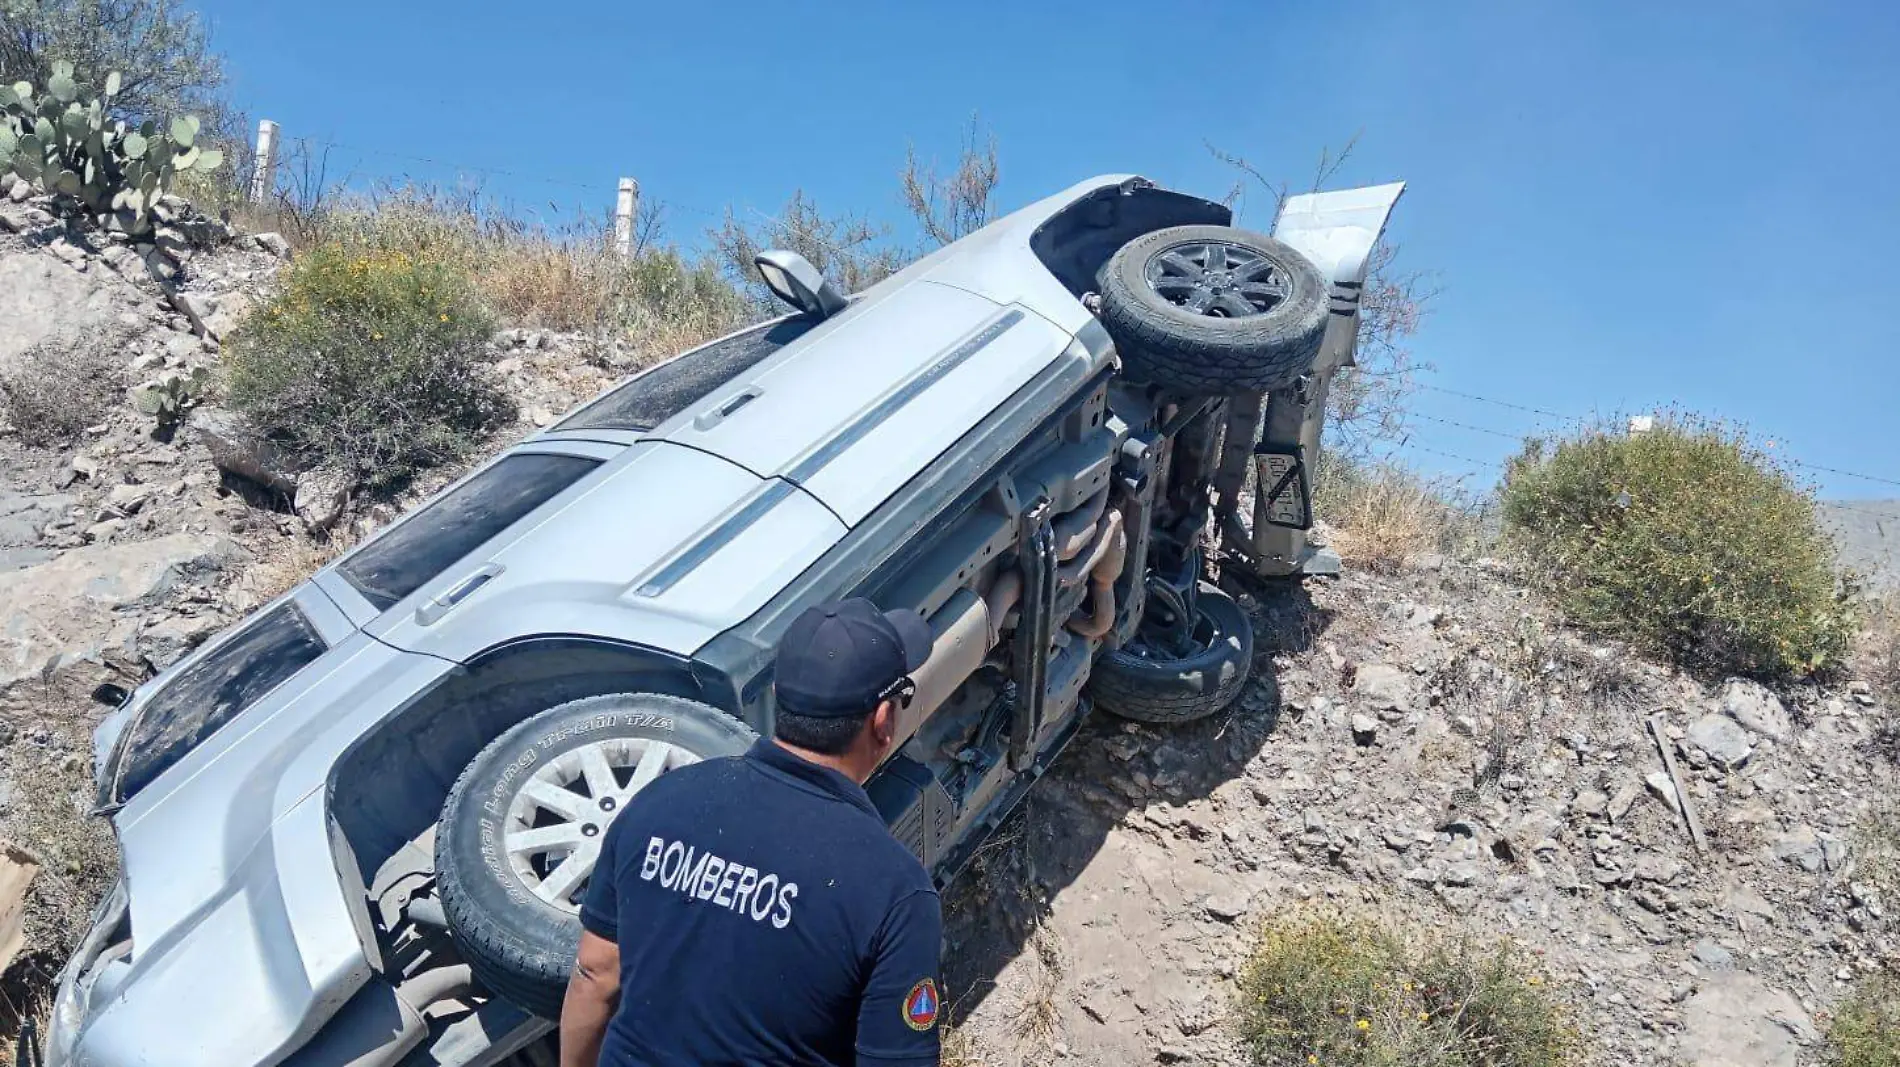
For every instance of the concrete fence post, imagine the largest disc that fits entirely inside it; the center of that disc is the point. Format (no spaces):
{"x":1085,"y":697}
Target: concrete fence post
{"x":264,"y":170}
{"x":625,"y":207}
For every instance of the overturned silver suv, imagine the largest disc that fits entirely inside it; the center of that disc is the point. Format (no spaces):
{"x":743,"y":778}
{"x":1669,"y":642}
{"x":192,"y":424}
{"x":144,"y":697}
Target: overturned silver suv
{"x":355,"y":826}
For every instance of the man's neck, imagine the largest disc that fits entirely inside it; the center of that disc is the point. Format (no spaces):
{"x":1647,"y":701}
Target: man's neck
{"x":846,"y":763}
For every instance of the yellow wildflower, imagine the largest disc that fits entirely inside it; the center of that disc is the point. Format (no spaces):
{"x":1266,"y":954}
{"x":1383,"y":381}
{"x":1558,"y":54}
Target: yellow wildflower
{"x":1363,"y":1025}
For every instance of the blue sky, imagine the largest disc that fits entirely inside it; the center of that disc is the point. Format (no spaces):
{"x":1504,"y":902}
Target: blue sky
{"x":1628,"y":206}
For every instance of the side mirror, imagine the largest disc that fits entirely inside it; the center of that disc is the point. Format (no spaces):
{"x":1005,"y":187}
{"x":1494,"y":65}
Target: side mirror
{"x":112,"y":696}
{"x":794,"y":280}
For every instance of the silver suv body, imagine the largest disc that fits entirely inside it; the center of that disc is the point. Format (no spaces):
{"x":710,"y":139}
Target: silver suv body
{"x":274,"y":794}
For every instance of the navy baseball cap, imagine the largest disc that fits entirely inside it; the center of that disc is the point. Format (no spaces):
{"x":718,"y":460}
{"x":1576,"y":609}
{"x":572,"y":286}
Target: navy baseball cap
{"x":838,"y":659}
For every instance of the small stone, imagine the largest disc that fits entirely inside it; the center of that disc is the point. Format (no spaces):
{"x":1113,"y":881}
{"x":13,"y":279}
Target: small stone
{"x":1590,"y":803}
{"x":1365,"y":729}
{"x":321,"y":496}
{"x":1383,"y":686}
{"x":1655,"y":867}
{"x":1801,"y":847}
{"x":1225,"y":907}
{"x":1660,"y":784}
{"x":1721,"y":739}
{"x":128,"y":499}
{"x":1620,"y":804}
{"x":1462,"y":874}
{"x":541,"y":416}
{"x":273,"y":243}
{"x":1421,"y":876}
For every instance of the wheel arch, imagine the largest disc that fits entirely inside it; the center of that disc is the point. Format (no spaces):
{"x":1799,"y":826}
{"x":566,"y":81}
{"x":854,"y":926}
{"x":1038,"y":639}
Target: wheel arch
{"x":389,"y":787}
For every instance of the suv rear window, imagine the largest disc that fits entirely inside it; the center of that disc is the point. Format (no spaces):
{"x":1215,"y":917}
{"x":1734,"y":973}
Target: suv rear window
{"x":430,"y":541}
{"x":670,"y":388}
{"x":214,"y":690}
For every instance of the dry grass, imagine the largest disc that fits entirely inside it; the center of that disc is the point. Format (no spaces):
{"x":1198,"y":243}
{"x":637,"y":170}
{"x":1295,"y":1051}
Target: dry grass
{"x":1384,"y":517}
{"x":1037,"y":1017}
{"x":565,"y":278}
{"x":1330,"y":988}
{"x":281,"y":565}
{"x":53,"y":794}
{"x":1877,"y":653}
{"x":59,"y":387}
{"x":1865,"y":1031}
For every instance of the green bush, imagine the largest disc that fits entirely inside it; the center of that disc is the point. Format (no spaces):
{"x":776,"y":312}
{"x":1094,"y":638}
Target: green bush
{"x":1865,"y":1031}
{"x":1686,"y":541}
{"x":371,"y":362}
{"x":1328,"y":988}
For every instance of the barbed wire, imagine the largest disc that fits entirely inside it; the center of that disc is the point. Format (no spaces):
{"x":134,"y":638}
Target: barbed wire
{"x":1878,"y":479}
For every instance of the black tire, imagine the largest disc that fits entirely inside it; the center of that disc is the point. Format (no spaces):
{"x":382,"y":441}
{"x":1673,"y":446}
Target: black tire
{"x":518,"y":945}
{"x":1158,"y":688}
{"x":1263,"y":338}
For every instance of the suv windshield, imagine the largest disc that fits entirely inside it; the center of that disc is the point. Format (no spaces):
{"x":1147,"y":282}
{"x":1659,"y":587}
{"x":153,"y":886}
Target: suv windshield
{"x":211,"y":692}
{"x":670,"y":388}
{"x":430,"y":541}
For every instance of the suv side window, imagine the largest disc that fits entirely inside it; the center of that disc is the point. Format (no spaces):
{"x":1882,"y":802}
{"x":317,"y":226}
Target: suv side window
{"x":657,"y":395}
{"x":430,"y":541}
{"x":213,"y":691}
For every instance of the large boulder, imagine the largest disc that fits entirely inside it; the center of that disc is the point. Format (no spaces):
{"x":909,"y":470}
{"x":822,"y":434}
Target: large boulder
{"x":237,"y":448}
{"x":23,"y":516}
{"x":1736,"y":1020}
{"x":84,"y":602}
{"x":39,"y":295}
{"x":1754,"y":706}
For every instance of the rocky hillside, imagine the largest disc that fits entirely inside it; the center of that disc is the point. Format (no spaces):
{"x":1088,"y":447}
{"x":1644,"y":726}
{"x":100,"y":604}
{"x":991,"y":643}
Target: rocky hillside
{"x":1439,"y":756}
{"x":1426,"y":748}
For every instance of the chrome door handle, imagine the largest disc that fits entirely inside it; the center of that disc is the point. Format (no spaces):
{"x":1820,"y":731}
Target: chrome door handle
{"x":445,"y":602}
{"x":710,"y":419}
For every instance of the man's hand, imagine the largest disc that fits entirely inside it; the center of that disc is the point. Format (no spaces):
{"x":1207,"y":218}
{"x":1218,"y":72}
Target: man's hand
{"x":593,"y":991}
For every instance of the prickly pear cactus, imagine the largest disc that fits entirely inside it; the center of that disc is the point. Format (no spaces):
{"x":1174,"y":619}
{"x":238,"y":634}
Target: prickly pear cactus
{"x":94,"y":164}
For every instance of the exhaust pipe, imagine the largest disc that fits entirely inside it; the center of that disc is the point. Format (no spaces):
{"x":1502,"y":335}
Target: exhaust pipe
{"x":1036,"y":548}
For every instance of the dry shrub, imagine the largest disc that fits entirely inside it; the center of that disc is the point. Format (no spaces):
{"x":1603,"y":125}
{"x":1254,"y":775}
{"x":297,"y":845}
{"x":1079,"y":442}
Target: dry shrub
{"x":282,"y":565}
{"x":1877,"y":659}
{"x":1331,"y":988}
{"x":371,"y":361}
{"x":1865,"y":1031}
{"x":59,"y":387}
{"x":1685,"y":540}
{"x":1384,"y":516}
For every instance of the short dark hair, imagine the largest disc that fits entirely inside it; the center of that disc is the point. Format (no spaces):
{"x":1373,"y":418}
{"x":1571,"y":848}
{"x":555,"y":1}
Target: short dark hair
{"x":827,"y":735}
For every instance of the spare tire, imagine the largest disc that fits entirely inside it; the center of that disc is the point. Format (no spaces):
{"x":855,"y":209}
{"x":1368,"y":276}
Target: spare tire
{"x":523,"y":825}
{"x":1192,"y":675}
{"x":1213,"y":309}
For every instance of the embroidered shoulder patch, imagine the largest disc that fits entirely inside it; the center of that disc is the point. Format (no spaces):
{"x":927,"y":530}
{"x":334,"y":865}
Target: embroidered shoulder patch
{"x":920,"y":1007}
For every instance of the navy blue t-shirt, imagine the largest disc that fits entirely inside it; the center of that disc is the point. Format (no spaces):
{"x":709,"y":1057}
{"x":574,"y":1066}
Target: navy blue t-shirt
{"x":765,"y":915}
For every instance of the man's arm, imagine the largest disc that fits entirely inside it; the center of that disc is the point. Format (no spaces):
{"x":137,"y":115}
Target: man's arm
{"x":593,"y":991}
{"x":902,"y":1007}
